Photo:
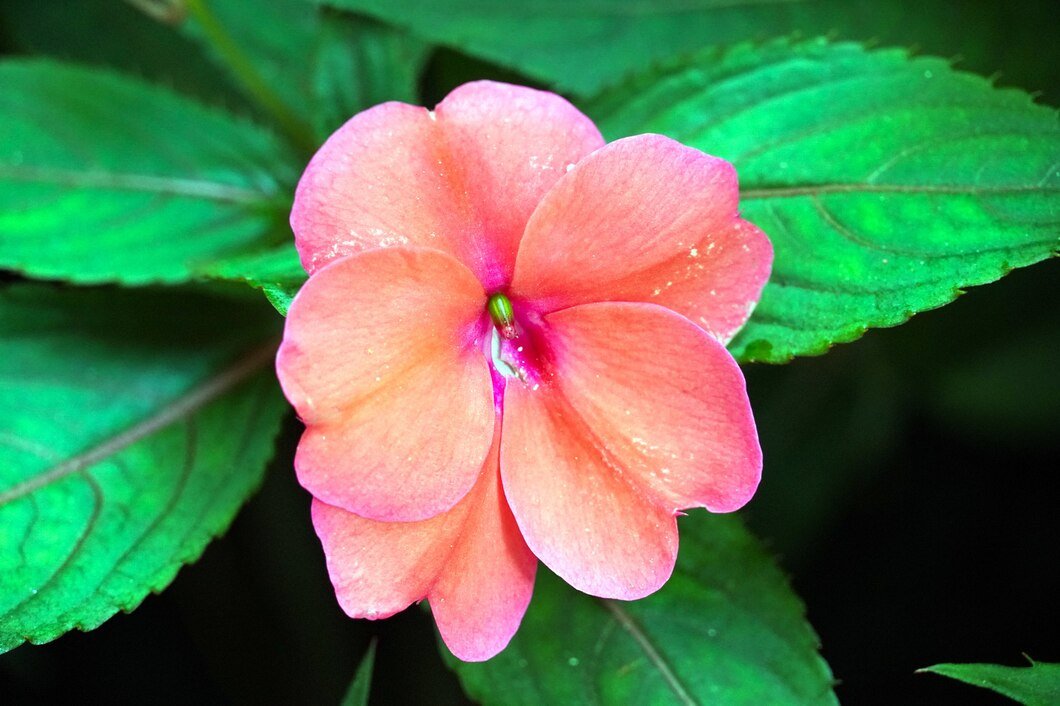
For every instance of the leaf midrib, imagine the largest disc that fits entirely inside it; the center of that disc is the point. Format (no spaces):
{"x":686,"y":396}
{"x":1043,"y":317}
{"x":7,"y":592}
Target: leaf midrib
{"x":124,"y":181}
{"x":181,"y":407}
{"x":654,"y":656}
{"x":769,"y":192}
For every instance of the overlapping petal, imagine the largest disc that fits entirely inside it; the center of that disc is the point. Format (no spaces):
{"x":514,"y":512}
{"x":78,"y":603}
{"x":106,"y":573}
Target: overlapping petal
{"x":471,"y":563}
{"x":643,"y":413}
{"x":463,"y":179}
{"x":578,"y":514}
{"x":382,"y":360}
{"x":646,"y":219}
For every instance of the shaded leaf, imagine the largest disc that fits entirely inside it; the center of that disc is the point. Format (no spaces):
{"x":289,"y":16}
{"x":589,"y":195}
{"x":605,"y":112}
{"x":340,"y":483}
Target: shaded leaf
{"x":359,"y":63}
{"x":1036,"y":685}
{"x":582,"y":46}
{"x":827,"y":429}
{"x":107,"y":179}
{"x":310,"y":69}
{"x":132,"y":427}
{"x":357,"y":693}
{"x":885,"y":182}
{"x":725,"y":629}
{"x":116,"y":34}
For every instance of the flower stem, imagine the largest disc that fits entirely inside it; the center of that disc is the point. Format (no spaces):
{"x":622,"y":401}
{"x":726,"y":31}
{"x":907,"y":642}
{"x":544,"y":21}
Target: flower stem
{"x":242,"y":67}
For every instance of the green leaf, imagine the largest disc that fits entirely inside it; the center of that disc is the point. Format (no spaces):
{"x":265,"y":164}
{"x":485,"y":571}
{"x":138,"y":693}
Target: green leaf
{"x":309,"y":68}
{"x":358,"y":63}
{"x":582,"y":46}
{"x":1036,"y":685}
{"x":357,"y":693}
{"x":885,"y":182}
{"x":116,"y":34}
{"x":726,"y":629}
{"x":277,"y":272}
{"x":280,"y":296}
{"x":107,"y":179}
{"x":132,"y":427}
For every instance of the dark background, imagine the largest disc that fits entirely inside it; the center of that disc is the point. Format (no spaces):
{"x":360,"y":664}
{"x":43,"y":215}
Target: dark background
{"x":909,"y":491}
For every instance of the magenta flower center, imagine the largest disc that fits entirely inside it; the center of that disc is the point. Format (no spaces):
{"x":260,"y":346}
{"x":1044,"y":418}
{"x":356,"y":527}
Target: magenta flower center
{"x":517,"y":346}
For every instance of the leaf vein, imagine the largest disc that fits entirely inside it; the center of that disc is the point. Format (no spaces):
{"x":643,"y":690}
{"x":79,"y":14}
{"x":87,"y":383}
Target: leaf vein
{"x":178,"y":409}
{"x":654,"y":656}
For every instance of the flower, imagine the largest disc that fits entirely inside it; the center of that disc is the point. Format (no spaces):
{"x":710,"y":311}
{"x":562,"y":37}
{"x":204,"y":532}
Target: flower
{"x":511,"y":348}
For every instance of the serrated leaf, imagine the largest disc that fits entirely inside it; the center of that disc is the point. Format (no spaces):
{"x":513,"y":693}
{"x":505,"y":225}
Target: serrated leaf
{"x":583,"y":46}
{"x":361,"y":686}
{"x":104,"y":178}
{"x":132,"y":427}
{"x":725,"y":629}
{"x":885,"y":182}
{"x":1036,"y":685}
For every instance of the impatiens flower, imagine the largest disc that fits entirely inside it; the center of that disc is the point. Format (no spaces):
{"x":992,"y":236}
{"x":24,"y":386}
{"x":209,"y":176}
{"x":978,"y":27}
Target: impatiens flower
{"x":511,"y":347}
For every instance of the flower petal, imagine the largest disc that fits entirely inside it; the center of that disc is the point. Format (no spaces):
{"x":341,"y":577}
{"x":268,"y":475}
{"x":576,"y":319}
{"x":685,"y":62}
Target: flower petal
{"x":470,"y":562}
{"x":641,"y":413}
{"x":646,"y":219}
{"x":382,"y":179}
{"x":381,"y":568}
{"x":665,"y":399}
{"x":577,"y":513}
{"x":484,"y":588}
{"x":463,"y":180}
{"x":382,"y":360}
{"x":513,"y":143}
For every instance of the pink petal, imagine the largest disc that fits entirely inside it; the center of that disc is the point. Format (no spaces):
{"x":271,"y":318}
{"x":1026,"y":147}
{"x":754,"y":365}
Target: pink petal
{"x":577,"y":513}
{"x":513,"y":143}
{"x":470,"y":562}
{"x":382,"y":359}
{"x":381,"y":568}
{"x":664,"y":398}
{"x":646,"y":219}
{"x":463,"y":181}
{"x":382,"y":179}
{"x":640,"y":414}
{"x":485,"y":585}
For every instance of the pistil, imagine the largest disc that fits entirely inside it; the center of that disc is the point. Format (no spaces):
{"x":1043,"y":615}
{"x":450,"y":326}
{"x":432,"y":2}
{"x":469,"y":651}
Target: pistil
{"x":503,"y":315}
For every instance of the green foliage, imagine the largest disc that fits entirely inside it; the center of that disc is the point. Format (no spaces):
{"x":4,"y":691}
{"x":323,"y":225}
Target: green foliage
{"x":277,"y":272}
{"x":108,"y":179}
{"x":265,"y":52}
{"x":361,"y":686}
{"x":116,"y":34}
{"x":885,"y":182}
{"x":132,"y":427}
{"x":1036,"y":685}
{"x":358,"y":63}
{"x":308,"y":68}
{"x":725,"y":629}
{"x":583,"y":46}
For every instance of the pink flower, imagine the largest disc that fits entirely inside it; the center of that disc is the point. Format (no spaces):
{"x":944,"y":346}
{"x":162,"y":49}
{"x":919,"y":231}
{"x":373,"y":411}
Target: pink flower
{"x":511,"y":348}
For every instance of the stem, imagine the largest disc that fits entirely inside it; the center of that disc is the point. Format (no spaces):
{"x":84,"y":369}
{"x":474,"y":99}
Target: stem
{"x":247,"y":75}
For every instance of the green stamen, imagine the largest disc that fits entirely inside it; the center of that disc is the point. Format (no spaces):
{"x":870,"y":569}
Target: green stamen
{"x":502,"y":314}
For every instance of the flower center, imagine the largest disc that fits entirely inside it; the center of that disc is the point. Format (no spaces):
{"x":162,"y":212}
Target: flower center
{"x":502,"y":314}
{"x":517,"y":348}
